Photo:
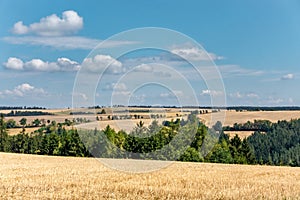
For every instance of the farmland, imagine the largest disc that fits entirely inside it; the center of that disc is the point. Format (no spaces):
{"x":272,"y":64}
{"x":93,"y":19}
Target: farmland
{"x":227,"y":117}
{"x":43,"y":177}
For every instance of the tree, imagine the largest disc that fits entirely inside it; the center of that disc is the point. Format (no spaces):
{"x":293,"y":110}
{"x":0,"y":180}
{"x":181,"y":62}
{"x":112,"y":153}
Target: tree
{"x":3,"y":134}
{"x":220,"y":154}
{"x":36,"y":122}
{"x":191,"y":155}
{"x":23,"y":121}
{"x":199,"y":137}
{"x":10,"y":123}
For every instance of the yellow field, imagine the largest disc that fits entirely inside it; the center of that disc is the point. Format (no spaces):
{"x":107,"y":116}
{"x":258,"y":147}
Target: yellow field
{"x":43,"y":177}
{"x":15,"y":131}
{"x":241,"y":134}
{"x":242,"y":117}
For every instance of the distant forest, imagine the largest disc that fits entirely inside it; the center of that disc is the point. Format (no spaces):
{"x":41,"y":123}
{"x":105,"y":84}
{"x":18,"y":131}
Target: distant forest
{"x":26,"y":113}
{"x":21,"y":108}
{"x":182,"y":140}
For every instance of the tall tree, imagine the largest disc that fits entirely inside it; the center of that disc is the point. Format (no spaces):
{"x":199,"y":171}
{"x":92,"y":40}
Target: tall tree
{"x":3,"y":134}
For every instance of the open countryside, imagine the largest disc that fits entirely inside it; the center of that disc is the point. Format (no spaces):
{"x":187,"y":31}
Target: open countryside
{"x":230,"y":117}
{"x":41,"y":177}
{"x":184,"y":100}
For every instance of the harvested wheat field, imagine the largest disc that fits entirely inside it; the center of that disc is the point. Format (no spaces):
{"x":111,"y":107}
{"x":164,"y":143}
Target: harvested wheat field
{"x":43,"y":177}
{"x":16,"y":131}
{"x":230,"y":117}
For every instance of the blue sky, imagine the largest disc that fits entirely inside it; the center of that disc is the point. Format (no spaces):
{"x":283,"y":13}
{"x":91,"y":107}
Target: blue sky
{"x":255,"y":46}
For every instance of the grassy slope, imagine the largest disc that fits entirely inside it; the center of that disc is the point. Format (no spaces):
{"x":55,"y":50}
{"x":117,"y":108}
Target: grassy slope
{"x":36,"y":177}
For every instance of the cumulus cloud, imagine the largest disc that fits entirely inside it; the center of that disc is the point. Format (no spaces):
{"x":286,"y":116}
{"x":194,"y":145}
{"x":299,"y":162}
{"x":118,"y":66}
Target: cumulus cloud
{"x":287,"y":77}
{"x":24,"y":90}
{"x":194,"y":54}
{"x":52,"y":25}
{"x":62,"y":64}
{"x":20,"y":28}
{"x":103,"y":63}
{"x":143,"y":68}
{"x":211,"y":93}
{"x":39,"y":65}
{"x":14,"y":63}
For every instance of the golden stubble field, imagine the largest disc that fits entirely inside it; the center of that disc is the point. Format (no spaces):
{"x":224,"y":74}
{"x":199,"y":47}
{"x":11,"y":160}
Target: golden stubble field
{"x":43,"y":177}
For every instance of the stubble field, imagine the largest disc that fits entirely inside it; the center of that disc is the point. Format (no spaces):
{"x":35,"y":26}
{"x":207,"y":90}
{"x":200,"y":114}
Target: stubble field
{"x":43,"y":177}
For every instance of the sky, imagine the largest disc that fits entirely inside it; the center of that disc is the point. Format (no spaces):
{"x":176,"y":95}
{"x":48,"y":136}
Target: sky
{"x":59,"y":53}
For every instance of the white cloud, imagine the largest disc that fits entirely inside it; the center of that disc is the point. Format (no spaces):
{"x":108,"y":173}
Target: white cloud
{"x":24,"y":89}
{"x":287,"y":77}
{"x":66,"y":64}
{"x":252,"y":95}
{"x":211,"y":93}
{"x":52,"y":25}
{"x":65,"y":42}
{"x":39,"y":65}
{"x":194,"y":54}
{"x":239,"y":95}
{"x":143,"y":68}
{"x":62,"y":64}
{"x":235,"y":70}
{"x":103,"y":63}
{"x":14,"y":63}
{"x":116,"y":86}
{"x":274,"y":101}
{"x":19,"y":28}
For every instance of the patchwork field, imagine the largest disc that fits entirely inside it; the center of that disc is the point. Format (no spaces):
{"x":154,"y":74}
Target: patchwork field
{"x":227,"y":117}
{"x":44,"y":177}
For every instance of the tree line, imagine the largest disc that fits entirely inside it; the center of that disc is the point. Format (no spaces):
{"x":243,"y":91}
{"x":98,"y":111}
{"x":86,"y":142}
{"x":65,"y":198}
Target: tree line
{"x":181,"y":140}
{"x":26,"y":113}
{"x":21,"y":108}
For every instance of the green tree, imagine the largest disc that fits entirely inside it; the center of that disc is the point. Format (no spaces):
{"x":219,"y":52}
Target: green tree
{"x":191,"y":155}
{"x":23,"y":121}
{"x":36,"y":122}
{"x":220,"y":153}
{"x":3,"y":134}
{"x":10,"y":123}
